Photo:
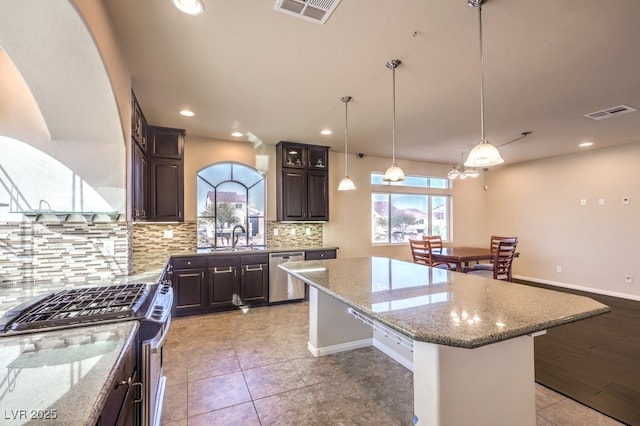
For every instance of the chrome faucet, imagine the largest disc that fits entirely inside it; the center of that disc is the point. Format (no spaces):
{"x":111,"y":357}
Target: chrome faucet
{"x":234,"y":237}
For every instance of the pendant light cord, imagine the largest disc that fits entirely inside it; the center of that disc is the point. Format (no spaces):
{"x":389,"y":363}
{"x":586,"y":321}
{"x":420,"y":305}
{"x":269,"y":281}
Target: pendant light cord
{"x":481,"y":75}
{"x":393,"y":134}
{"x":346,"y":100}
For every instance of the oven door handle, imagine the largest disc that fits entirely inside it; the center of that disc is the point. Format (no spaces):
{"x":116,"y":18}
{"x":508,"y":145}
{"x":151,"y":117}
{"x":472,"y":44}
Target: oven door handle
{"x":157,"y":343}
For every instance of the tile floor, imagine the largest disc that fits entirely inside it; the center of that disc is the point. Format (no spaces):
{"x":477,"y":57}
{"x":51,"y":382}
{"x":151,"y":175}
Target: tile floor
{"x":253,"y":368}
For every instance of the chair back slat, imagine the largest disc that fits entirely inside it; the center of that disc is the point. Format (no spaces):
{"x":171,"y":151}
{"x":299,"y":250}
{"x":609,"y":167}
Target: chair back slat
{"x":435,"y":240}
{"x":496,"y":239}
{"x":503,"y":259}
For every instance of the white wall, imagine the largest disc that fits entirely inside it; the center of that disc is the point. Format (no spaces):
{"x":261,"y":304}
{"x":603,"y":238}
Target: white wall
{"x":595,"y":245}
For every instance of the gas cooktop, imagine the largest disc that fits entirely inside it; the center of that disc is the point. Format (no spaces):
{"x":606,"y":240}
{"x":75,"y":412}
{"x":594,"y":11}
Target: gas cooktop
{"x":67,"y":308}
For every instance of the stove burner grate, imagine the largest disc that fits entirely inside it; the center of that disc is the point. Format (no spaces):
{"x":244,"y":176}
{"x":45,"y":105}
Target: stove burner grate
{"x":82,"y":305}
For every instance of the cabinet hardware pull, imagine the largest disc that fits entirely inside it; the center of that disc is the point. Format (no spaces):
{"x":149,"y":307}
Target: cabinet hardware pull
{"x":223,"y":271}
{"x":249,"y":268}
{"x":135,"y":401}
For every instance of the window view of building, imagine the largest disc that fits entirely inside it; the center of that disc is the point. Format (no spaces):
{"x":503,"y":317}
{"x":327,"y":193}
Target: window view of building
{"x":397,"y":217}
{"x":231,"y":201}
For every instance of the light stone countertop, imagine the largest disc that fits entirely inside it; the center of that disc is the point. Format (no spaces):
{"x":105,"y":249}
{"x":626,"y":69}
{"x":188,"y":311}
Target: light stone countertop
{"x":440,"y":306}
{"x":64,"y":375}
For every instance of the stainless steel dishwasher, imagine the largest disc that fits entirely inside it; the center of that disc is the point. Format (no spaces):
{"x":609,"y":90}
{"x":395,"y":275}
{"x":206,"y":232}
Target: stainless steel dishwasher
{"x":282,"y":286}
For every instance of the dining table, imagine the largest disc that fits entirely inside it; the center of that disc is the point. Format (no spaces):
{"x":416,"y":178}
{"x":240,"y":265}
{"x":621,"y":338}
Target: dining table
{"x":462,"y":256}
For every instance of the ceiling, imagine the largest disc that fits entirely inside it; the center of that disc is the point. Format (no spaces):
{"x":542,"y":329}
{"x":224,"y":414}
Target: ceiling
{"x":244,"y":66}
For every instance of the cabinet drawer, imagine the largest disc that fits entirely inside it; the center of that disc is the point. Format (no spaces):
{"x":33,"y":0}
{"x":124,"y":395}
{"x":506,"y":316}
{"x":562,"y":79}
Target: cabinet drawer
{"x":226,"y":260}
{"x":188,"y":262}
{"x":254,"y":259}
{"x":320,"y":254}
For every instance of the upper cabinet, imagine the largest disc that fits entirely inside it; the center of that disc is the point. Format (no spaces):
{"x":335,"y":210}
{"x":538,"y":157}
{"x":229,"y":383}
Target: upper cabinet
{"x":157,"y":170}
{"x":302,"y":182}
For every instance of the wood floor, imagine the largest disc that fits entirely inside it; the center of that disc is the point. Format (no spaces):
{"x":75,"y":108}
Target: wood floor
{"x":595,"y":361}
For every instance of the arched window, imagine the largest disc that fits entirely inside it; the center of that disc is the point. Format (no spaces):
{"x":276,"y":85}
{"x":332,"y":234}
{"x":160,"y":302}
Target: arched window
{"x":230,"y":195}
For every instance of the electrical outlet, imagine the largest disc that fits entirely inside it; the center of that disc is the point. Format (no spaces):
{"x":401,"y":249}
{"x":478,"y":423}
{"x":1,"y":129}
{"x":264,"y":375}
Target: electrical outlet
{"x":628,"y":279}
{"x":293,"y":231}
{"x":108,"y":248}
{"x":168,"y":233}
{"x":601,"y":201}
{"x":558,"y":268}
{"x":308,"y":231}
{"x":583,"y":202}
{"x":275,"y":232}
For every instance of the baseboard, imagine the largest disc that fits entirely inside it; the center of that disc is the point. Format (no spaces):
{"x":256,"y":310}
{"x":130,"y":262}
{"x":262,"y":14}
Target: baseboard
{"x":579,"y":288}
{"x":328,"y":350}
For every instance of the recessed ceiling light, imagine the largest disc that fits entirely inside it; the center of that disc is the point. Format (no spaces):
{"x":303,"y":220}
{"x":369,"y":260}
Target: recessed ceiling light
{"x":326,"y":132}
{"x":585,"y":144}
{"x":187,"y":113}
{"x":190,"y":7}
{"x":236,"y":134}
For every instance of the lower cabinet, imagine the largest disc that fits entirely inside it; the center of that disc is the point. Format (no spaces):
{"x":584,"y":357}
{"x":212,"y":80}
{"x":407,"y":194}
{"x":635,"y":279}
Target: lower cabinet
{"x":189,"y":285}
{"x":121,"y":406}
{"x":203,"y":284}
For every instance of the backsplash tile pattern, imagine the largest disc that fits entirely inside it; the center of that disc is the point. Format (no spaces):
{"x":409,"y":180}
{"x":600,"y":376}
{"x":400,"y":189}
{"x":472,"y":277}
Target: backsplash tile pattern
{"x":151,"y":244}
{"x":69,"y":252}
{"x":294,"y":234}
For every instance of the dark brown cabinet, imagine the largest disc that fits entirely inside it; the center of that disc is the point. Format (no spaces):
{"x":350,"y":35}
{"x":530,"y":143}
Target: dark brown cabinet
{"x":121,"y":406}
{"x":214,"y":283}
{"x":166,"y":142}
{"x":302,"y":182}
{"x":157,"y":170}
{"x":166,"y":199}
{"x":320,"y":254}
{"x":189,"y":285}
{"x":140,"y":183}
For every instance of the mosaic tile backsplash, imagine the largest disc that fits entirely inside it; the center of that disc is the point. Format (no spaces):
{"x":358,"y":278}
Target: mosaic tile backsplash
{"x":32,"y":252}
{"x":76,"y":252}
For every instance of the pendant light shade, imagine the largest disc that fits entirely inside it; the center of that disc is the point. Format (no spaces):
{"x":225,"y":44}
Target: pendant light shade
{"x":346,"y":184}
{"x":190,"y":7}
{"x":394,"y":173}
{"x":484,"y":154}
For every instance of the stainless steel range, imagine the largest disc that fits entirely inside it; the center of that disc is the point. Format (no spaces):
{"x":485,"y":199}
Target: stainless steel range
{"x":77,"y":307}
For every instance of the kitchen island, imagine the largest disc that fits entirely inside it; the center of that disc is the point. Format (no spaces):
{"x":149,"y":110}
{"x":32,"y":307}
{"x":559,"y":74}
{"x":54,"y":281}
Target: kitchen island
{"x":467,"y":339}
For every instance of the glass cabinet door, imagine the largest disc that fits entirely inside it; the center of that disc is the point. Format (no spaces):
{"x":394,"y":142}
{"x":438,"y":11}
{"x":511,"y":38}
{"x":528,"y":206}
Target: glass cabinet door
{"x":294,"y":156}
{"x":317,"y":158}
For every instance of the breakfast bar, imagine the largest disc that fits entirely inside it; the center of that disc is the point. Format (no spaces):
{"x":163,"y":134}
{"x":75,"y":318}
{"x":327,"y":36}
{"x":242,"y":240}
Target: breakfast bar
{"x":468,"y":339}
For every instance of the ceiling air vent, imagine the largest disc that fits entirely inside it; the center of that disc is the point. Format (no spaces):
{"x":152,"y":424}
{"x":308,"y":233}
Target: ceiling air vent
{"x":610,"y":112}
{"x":317,"y":11}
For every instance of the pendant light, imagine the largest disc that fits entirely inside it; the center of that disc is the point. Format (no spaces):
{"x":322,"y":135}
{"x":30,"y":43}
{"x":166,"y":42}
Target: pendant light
{"x":394,"y":173}
{"x":190,"y":7}
{"x":484,"y":154}
{"x":346,"y":184}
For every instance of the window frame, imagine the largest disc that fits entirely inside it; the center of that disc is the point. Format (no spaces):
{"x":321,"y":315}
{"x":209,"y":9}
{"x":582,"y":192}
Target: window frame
{"x":385,"y":189}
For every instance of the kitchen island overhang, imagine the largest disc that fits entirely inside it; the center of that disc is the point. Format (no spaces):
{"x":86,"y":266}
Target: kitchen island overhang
{"x":471,"y":338}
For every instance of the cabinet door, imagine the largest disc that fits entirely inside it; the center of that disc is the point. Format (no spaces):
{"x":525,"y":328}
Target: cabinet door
{"x":317,"y":195}
{"x":140,"y":183}
{"x":189,"y":291}
{"x":294,"y":195}
{"x":166,"y":201}
{"x":223,"y":288}
{"x":254,"y":284}
{"x":166,"y":142}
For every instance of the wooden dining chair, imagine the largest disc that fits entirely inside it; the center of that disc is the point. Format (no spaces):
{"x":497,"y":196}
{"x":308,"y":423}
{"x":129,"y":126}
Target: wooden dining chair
{"x":502,"y":262}
{"x":494,"y":246}
{"x":435,"y":240}
{"x":421,"y":252}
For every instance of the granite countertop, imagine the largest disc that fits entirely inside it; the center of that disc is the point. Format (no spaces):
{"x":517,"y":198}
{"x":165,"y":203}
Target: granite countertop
{"x":61,"y":377}
{"x":441,"y":306}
